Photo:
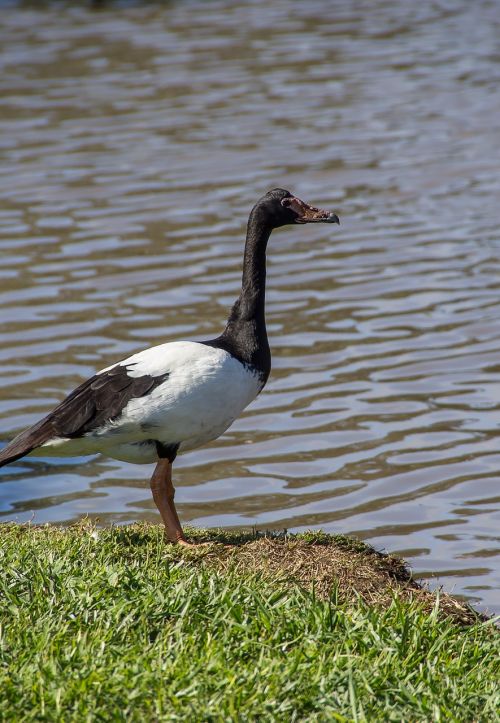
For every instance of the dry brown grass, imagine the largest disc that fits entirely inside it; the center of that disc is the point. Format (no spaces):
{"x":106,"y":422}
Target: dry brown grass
{"x":323,"y":563}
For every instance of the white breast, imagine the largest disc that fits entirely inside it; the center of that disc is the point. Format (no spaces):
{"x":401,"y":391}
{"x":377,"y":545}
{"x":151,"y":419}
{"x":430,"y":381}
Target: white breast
{"x":206,"y":390}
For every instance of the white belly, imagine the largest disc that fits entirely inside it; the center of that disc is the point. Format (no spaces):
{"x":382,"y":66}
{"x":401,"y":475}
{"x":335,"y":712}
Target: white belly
{"x":206,"y":390}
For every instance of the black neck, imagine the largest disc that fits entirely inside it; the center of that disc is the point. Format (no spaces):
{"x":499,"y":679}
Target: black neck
{"x":245,"y":335}
{"x":250,"y":305}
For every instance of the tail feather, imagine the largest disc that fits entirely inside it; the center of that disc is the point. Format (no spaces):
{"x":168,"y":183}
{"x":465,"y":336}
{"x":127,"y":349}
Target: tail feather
{"x":14,"y":451}
{"x":25,"y":443}
{"x":6,"y":456}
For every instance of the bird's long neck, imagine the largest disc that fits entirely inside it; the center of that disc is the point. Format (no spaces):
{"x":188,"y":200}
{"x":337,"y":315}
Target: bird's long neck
{"x":246,"y":326}
{"x":250,"y":305}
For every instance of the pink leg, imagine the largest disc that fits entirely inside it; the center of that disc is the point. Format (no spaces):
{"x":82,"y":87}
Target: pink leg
{"x":163,"y":495}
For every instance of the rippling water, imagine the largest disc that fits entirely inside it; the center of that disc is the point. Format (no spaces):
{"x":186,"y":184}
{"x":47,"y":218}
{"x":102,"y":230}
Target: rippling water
{"x":134,"y":140}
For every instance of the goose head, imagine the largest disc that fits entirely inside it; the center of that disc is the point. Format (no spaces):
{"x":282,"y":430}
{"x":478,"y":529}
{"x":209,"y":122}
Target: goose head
{"x":283,"y":208}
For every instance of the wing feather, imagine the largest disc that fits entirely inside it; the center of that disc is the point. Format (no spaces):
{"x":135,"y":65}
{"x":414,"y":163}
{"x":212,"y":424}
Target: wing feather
{"x":98,"y":401}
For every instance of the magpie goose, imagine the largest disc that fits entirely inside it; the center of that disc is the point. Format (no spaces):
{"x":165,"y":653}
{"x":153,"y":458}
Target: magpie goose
{"x":176,"y":396}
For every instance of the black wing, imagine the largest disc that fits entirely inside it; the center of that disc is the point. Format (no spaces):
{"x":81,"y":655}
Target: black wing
{"x":97,"y":401}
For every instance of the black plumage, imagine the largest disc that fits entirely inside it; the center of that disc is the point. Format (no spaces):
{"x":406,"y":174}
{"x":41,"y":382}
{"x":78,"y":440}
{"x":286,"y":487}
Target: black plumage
{"x":99,"y":400}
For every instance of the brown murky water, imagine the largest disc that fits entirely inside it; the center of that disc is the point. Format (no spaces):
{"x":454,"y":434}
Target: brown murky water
{"x":134,"y":139}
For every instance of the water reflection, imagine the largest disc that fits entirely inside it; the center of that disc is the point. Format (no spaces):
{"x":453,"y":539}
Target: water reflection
{"x":134,"y":142}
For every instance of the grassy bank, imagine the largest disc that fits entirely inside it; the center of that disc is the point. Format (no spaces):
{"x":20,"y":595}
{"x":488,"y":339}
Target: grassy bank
{"x":110,"y":624}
